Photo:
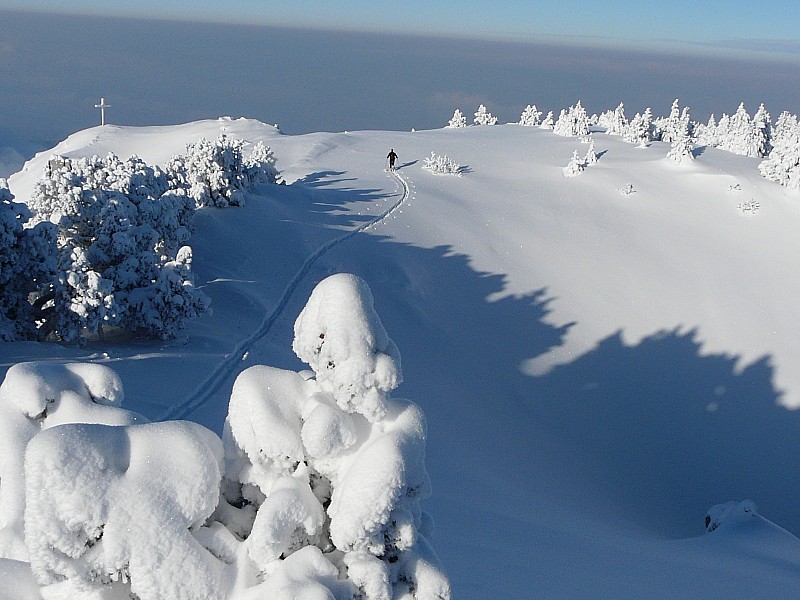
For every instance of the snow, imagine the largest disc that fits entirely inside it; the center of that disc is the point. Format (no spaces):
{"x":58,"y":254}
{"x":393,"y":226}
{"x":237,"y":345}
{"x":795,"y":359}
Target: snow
{"x":596,"y":369}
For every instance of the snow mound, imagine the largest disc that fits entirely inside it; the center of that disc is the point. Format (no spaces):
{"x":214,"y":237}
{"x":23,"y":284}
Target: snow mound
{"x":36,"y":396}
{"x":341,"y":337}
{"x":109,"y":504}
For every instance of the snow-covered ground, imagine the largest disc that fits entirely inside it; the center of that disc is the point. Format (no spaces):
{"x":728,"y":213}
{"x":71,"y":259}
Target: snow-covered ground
{"x":597,"y":368}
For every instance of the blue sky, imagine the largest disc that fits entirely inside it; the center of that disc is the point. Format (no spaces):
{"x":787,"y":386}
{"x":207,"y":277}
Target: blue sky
{"x":613,"y":22}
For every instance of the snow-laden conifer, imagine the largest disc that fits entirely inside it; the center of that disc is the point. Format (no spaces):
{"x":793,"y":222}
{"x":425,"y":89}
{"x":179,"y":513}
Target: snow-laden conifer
{"x":531,"y":116}
{"x":614,"y":121}
{"x":783,"y":163}
{"x":548,"y":122}
{"x":575,"y":166}
{"x":484,"y":117}
{"x":458,"y":120}
{"x":591,"y":155}
{"x":572,"y":122}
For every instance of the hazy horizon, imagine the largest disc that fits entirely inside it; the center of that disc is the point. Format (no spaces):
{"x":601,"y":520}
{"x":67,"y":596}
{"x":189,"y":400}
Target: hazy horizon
{"x":56,"y":67}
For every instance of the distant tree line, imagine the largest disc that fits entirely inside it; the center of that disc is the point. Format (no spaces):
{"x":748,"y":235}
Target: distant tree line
{"x":778,"y":142}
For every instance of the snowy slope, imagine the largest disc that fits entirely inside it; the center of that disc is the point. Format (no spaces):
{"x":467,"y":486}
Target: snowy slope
{"x":597,"y":369}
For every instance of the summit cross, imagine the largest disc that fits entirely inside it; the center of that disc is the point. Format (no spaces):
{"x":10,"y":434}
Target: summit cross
{"x":102,"y":106}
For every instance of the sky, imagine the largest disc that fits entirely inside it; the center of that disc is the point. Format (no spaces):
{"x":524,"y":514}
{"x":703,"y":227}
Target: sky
{"x":614,"y":22}
{"x":55,"y":67}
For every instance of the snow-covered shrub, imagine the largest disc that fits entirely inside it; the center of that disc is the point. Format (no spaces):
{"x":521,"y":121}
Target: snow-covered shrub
{"x":484,"y":117}
{"x":729,"y":513}
{"x":108,"y":505}
{"x":27,"y":265}
{"x":572,"y":122}
{"x":458,"y":120}
{"x":531,"y":116}
{"x":442,"y":165}
{"x":118,"y":229}
{"x":214,"y":173}
{"x":575,"y":166}
{"x":38,"y":396}
{"x":614,"y":121}
{"x":783,"y":163}
{"x":260,"y":166}
{"x":327,"y":468}
{"x":749,"y":206}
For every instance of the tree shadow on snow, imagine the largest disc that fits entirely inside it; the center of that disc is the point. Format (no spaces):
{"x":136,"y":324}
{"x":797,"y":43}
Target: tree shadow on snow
{"x":655,"y":431}
{"x":663,"y":428}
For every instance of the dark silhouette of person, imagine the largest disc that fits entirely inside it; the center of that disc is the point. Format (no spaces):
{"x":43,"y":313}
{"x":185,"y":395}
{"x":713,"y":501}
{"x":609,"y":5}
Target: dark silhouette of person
{"x":392,"y":156}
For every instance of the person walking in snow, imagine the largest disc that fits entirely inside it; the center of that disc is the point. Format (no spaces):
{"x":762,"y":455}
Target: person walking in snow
{"x":392,"y":156}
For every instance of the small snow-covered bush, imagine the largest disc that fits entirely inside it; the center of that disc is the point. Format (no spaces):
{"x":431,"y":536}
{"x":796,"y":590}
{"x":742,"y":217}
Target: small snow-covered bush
{"x":458,"y":120}
{"x":730,"y":513}
{"x":442,"y":165}
{"x":575,"y":166}
{"x":329,"y":470}
{"x":484,"y":117}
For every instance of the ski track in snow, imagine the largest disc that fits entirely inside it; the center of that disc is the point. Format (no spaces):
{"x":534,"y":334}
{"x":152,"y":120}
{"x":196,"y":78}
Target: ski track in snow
{"x":230,"y":365}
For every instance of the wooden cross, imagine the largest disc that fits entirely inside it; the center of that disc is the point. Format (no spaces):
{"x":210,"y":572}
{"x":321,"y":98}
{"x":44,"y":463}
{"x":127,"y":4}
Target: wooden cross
{"x":102,"y":106}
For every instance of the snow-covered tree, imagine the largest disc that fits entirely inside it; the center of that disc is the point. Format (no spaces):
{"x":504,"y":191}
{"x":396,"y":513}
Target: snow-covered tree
{"x":640,"y":129}
{"x":458,"y":120}
{"x":783,"y":163}
{"x":531,"y":116}
{"x":442,"y":165}
{"x":548,"y":122}
{"x":27,"y":266}
{"x":614,"y":121}
{"x":214,"y":173}
{"x":260,"y":166}
{"x":329,"y":471}
{"x":118,"y":228}
{"x":572,"y":122}
{"x":591,"y":155}
{"x":669,"y":128}
{"x":575,"y":166}
{"x":707,"y":134}
{"x":740,"y":134}
{"x":484,"y":117}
